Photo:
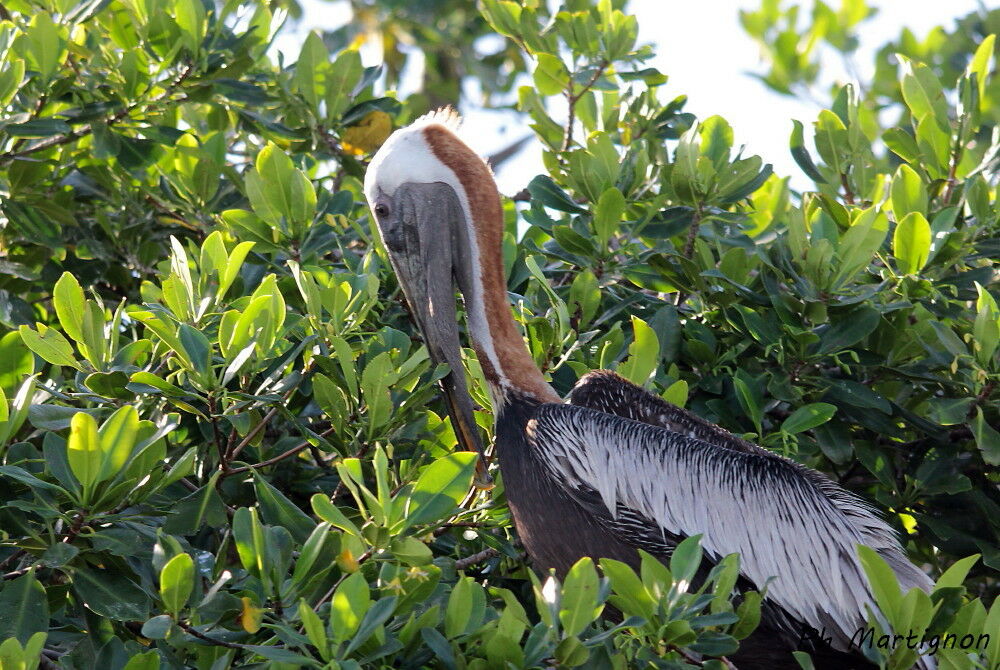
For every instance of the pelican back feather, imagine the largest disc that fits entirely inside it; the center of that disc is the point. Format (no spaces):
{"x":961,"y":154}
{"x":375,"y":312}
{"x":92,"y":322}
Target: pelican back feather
{"x":787,"y":522}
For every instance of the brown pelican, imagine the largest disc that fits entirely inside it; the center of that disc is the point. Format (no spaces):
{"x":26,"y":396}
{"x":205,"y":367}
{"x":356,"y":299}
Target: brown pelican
{"x":616,"y":468}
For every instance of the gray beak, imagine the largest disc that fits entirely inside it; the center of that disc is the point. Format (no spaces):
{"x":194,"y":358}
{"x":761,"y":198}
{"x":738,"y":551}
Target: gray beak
{"x":419,"y":226}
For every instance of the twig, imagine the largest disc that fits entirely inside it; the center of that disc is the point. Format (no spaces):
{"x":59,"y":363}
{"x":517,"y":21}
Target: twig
{"x":572,"y":99}
{"x":193,"y":632}
{"x":329,"y":594}
{"x":220,"y":446}
{"x":692,"y":232}
{"x":252,"y":434}
{"x":483,"y":555}
{"x":280,"y":457}
{"x":981,"y":398}
{"x":86,"y":129}
{"x":848,"y":192}
{"x":13,"y":557}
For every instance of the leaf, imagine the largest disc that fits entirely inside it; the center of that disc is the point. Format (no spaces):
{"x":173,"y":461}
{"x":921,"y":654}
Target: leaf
{"x":801,"y":154}
{"x":908,"y":193}
{"x":84,"y":451}
{"x":607,"y":216}
{"x":50,"y":345}
{"x":883,"y":582}
{"x":376,"y":615}
{"x":341,"y":79}
{"x":551,"y":77}
{"x":808,"y":417}
{"x":313,"y":60}
{"x":987,"y":438}
{"x":197,"y":349}
{"x":11,"y":78}
{"x":923,"y":93}
{"x":911,"y":243}
{"x":643,"y":353}
{"x":67,"y":297}
{"x":149,"y":660}
{"x":348,"y":606}
{"x":685,"y":560}
{"x":117,"y":438}
{"x":111,"y":594}
{"x":579,"y":605}
{"x":441,"y":487}
{"x":24,"y":609}
{"x":278,"y":510}
{"x":955,"y":575}
{"x":327,"y":511}
{"x":543,"y":189}
{"x":849,"y":329}
{"x":411,"y":551}
{"x":177,"y":582}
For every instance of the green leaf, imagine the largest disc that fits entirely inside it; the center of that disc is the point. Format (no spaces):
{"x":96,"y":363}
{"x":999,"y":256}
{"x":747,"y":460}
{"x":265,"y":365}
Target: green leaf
{"x":808,"y":417}
{"x":987,"y":438}
{"x":111,"y":594}
{"x":908,"y":193}
{"x":24,"y":609}
{"x":551,"y":76}
{"x":607,"y":216}
{"x":801,"y":154}
{"x":117,"y":438}
{"x":466,"y":608}
{"x":197,"y":349}
{"x":350,"y":602}
{"x":50,"y":345}
{"x":441,"y":487}
{"x":643,"y":353}
{"x":11,"y":77}
{"x":67,"y":297}
{"x":411,"y":551}
{"x":548,"y":193}
{"x":923,"y":93}
{"x":955,"y":575}
{"x":748,"y":401}
{"x":278,"y":510}
{"x":341,"y":78}
{"x":46,"y":45}
{"x":911,"y":243}
{"x":716,"y":141}
{"x":376,"y":615}
{"x":849,"y":329}
{"x":579,"y":605}
{"x":883,"y":582}
{"x":327,"y":511}
{"x":685,"y":560}
{"x":149,"y":660}
{"x":84,"y":451}
{"x":177,"y":582}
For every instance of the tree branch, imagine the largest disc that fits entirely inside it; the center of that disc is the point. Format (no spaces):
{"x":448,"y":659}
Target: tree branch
{"x":572,"y":99}
{"x":86,"y":129}
{"x":469,"y":561}
{"x":280,"y":457}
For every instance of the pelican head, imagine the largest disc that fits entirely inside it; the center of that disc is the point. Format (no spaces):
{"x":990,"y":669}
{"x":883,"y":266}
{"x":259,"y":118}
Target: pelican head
{"x":433,"y":199}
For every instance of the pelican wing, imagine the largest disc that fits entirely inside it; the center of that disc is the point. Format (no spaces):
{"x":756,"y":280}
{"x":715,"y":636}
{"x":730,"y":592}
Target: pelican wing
{"x":607,"y":391}
{"x":785,"y":520}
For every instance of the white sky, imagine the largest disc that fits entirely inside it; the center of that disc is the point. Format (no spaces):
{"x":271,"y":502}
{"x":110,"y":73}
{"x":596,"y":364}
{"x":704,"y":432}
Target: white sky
{"x":706,"y":56}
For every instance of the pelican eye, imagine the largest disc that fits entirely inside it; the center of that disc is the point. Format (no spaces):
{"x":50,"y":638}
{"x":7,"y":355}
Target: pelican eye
{"x":381,"y":209}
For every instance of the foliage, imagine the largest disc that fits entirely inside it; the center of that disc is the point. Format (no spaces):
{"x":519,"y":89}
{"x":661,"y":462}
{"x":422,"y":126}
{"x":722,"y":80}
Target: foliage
{"x":222,"y":448}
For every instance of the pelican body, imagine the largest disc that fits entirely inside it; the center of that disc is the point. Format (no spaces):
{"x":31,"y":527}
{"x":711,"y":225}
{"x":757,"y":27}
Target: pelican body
{"x":615,"y":468}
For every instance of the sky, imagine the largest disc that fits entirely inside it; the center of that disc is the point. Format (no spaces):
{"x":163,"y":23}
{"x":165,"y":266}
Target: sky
{"x":703,"y":50}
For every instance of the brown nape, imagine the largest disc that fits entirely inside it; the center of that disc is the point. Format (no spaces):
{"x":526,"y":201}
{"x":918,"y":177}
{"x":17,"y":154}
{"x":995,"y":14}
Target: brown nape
{"x":484,"y":205}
